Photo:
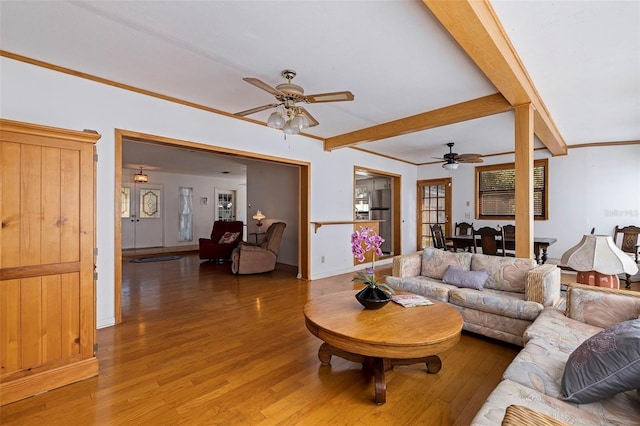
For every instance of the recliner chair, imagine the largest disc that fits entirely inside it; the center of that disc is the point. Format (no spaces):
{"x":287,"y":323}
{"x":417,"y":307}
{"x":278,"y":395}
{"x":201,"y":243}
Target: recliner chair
{"x":218,"y":247}
{"x":249,"y":258}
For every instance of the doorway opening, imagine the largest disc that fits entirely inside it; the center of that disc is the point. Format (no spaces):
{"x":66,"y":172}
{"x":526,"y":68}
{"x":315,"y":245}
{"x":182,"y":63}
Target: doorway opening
{"x":377,"y":198}
{"x":304,"y":179}
{"x":434,"y":207}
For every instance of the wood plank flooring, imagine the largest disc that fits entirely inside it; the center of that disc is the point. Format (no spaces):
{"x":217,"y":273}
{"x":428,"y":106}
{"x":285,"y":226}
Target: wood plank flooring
{"x":200,"y":346}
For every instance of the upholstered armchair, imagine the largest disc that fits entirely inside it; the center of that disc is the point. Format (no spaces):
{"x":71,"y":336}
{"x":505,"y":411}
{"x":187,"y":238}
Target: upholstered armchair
{"x":249,"y":258}
{"x":225,"y":236}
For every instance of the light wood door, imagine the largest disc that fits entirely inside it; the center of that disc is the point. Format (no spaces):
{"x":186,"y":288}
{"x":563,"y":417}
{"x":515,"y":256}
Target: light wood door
{"x":47,"y":288}
{"x":434,"y":207}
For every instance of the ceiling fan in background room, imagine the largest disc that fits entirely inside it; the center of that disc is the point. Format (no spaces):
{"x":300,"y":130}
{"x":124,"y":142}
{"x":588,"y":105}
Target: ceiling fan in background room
{"x":288,"y":116}
{"x":452,"y":160}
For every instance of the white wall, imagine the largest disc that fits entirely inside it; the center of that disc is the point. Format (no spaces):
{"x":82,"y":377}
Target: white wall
{"x":273,"y":189}
{"x":590,"y":187}
{"x":37,"y":95}
{"x":203,"y":215}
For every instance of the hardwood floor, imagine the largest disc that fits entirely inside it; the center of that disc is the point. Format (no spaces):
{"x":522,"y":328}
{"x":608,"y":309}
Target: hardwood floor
{"x":201,"y":346}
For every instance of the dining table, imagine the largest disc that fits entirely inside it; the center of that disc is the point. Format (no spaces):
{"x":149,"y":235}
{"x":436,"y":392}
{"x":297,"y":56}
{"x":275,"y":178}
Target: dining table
{"x":540,"y":245}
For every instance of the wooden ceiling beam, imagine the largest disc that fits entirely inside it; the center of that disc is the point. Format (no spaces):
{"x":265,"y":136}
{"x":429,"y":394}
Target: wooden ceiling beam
{"x":476,"y":28}
{"x":476,"y":108}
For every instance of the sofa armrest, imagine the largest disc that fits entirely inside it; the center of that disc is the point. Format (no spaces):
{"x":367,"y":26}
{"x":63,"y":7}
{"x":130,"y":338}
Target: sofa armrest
{"x":543,"y":285}
{"x":600,"y":306}
{"x":407,"y":265}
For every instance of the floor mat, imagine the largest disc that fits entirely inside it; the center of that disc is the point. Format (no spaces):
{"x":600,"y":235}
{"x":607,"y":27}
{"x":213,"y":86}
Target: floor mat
{"x":154,"y":259}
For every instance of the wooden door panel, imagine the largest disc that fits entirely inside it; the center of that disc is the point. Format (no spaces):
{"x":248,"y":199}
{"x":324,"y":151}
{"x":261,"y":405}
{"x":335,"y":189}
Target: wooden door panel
{"x":30,"y":204}
{"x":10,"y":326}
{"x":71,"y":206}
{"x":52,"y":317}
{"x":50,"y":205}
{"x":30,"y":322}
{"x":47,"y":295}
{"x":70,"y":321}
{"x":10,"y":204}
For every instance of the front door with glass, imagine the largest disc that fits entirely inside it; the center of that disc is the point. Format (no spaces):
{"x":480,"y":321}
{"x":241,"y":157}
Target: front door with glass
{"x":142,"y":216}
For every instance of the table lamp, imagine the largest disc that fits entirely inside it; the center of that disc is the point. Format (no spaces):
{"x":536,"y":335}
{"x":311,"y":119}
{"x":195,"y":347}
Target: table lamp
{"x":259,"y":216}
{"x":598,"y":261}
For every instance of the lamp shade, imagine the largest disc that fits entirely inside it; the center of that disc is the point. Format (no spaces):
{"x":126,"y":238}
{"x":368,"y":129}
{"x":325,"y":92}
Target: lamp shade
{"x":259,"y":215}
{"x":276,"y":120}
{"x":290,"y":129}
{"x":300,"y":121}
{"x":599,"y":253}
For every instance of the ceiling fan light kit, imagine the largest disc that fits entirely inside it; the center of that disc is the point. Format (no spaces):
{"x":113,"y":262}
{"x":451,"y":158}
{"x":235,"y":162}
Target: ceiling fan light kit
{"x":452,"y":160}
{"x":289,"y":117}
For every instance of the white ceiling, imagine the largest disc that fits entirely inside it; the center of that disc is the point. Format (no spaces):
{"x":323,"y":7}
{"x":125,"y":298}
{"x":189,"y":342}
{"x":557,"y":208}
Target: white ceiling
{"x":582,"y":56}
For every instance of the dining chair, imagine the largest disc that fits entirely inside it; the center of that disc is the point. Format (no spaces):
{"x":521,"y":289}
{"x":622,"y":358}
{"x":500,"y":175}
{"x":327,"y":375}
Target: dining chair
{"x":438,"y":238}
{"x":491,"y":241}
{"x":464,"y":228}
{"x":629,"y":244}
{"x":509,"y":232}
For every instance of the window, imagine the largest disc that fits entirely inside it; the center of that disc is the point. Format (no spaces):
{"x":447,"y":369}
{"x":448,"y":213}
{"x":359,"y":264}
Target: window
{"x":185,"y":214}
{"x":149,"y":204}
{"x":125,"y":202}
{"x":495,"y":191}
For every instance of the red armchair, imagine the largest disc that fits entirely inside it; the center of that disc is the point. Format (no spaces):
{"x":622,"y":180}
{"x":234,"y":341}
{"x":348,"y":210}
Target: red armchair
{"x":225,"y":236}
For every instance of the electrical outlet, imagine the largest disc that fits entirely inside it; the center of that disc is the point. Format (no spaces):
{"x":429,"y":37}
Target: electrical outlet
{"x":321,"y":259}
{"x":467,"y":215}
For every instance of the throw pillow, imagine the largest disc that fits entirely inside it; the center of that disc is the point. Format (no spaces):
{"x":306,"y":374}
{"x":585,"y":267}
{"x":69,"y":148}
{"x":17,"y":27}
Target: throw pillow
{"x":603,"y":365}
{"x":467,"y":279}
{"x":435,"y":262}
{"x":228,"y":237}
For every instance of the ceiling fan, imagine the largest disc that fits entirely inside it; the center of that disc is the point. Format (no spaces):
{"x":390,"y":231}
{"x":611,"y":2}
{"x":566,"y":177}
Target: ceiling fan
{"x":452,"y":160}
{"x":288,"y":116}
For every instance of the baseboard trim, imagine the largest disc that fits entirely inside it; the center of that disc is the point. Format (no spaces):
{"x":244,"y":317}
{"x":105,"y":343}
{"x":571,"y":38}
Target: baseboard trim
{"x":25,"y":387}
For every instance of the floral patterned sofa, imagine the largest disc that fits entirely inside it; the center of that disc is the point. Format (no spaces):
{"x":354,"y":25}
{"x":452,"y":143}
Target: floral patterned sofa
{"x":513,"y":293}
{"x":596,"y":337}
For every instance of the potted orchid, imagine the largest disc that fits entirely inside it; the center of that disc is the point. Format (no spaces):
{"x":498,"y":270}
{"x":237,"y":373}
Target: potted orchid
{"x":376,"y":294}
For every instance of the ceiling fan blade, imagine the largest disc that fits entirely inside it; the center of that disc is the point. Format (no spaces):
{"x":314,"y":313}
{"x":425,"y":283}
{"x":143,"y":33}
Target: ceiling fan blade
{"x":254,"y":110}
{"x":329,"y":97}
{"x":470,"y":160}
{"x":264,"y":86}
{"x":312,"y":121}
{"x":463,"y":157}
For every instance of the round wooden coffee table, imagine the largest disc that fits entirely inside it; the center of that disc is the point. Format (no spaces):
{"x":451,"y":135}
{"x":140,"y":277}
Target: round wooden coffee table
{"x":381,"y":339}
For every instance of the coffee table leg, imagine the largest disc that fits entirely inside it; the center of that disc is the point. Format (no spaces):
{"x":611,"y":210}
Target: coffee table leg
{"x":380,"y":380}
{"x":433,"y":363}
{"x":324,"y":354}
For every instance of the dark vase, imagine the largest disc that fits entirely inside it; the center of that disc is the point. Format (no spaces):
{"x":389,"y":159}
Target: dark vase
{"x":372,"y":298}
